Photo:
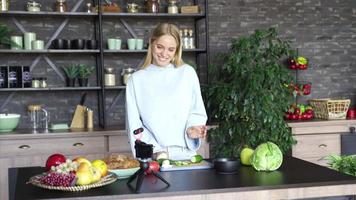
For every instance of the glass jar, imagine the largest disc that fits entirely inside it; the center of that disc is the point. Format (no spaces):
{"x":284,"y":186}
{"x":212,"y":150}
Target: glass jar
{"x":33,"y":6}
{"x":61,"y":6}
{"x":4,"y":5}
{"x":109,"y":76}
{"x":172,"y":7}
{"x":152,"y":6}
{"x":126,"y":73}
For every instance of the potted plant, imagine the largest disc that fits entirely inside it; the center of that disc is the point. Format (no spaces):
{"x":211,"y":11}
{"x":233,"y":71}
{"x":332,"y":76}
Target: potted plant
{"x":84,"y":72}
{"x":71,"y":73}
{"x":249,"y":94}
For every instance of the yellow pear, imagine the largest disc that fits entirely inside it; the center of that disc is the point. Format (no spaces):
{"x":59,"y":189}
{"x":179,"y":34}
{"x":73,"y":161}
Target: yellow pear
{"x":81,"y":159}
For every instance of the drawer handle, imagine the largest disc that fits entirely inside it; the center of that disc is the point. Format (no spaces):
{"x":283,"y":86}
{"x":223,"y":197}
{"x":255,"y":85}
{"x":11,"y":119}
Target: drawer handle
{"x":323,"y":145}
{"x":78,"y":144}
{"x":24,"y":146}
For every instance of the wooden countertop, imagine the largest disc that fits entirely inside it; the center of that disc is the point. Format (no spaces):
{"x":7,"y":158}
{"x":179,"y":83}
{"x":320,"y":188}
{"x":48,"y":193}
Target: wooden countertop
{"x":295,"y":179}
{"x":320,"y":122}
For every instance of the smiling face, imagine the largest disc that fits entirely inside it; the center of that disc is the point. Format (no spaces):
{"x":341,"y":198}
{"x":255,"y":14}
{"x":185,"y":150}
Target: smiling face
{"x":163,"y":50}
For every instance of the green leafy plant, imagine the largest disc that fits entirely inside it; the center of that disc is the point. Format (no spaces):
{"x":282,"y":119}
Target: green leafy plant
{"x":247,"y":96}
{"x":71,"y":71}
{"x":84,"y":71}
{"x":344,"y":164}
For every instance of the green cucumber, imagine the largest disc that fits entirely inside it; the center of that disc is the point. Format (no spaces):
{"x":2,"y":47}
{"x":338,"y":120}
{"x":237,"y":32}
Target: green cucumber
{"x":196,"y":159}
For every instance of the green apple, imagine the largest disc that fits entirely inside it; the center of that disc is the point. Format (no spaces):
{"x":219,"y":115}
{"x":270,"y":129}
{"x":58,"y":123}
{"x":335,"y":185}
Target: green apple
{"x":245,"y":155}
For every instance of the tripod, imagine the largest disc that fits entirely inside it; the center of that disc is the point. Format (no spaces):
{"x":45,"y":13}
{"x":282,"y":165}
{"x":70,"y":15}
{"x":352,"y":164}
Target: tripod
{"x":141,"y":173}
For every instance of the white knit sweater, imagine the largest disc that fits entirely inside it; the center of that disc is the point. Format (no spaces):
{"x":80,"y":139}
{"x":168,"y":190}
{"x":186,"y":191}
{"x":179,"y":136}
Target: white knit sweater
{"x":165,"y":101}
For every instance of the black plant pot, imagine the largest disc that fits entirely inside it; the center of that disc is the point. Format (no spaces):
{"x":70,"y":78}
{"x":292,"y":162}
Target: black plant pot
{"x":70,"y":82}
{"x":83,"y":82}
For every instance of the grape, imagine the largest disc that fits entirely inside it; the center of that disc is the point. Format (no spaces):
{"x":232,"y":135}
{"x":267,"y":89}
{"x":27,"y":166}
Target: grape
{"x":58,"y":179}
{"x":65,"y":168}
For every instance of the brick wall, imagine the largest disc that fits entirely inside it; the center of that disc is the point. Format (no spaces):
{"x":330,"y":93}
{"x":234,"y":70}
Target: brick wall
{"x":323,"y":31}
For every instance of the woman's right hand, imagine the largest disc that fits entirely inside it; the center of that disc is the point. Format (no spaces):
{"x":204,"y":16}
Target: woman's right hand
{"x":197,"y":132}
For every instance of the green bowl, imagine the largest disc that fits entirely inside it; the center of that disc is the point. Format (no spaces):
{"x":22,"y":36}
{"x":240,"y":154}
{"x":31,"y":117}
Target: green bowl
{"x":8,"y":122}
{"x":124,"y":173}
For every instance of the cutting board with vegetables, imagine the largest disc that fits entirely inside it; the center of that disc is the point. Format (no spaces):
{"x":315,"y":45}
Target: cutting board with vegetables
{"x":186,"y":165}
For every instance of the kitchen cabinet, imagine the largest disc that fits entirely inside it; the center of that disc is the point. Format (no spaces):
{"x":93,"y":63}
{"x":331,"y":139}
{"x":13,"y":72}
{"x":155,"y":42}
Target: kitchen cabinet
{"x":107,"y":102}
{"x":319,"y":138}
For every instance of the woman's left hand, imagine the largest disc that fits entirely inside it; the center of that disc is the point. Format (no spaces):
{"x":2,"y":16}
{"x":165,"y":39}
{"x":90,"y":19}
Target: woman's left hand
{"x":197,"y":132}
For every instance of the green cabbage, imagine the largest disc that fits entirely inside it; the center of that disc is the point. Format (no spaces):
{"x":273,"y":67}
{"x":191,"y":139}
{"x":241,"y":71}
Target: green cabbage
{"x":267,"y":157}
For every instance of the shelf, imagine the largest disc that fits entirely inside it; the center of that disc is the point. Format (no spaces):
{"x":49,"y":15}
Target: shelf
{"x":50,"y":51}
{"x":85,"y":14}
{"x":49,"y":89}
{"x":45,"y":13}
{"x":145,"y":50}
{"x":154,"y":15}
{"x":119,"y":87}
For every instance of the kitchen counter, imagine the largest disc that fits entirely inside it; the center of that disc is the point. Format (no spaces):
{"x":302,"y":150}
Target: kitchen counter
{"x":295,"y":179}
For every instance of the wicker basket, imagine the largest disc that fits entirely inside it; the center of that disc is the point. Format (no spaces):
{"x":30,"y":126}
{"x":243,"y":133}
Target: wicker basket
{"x":329,"y":108}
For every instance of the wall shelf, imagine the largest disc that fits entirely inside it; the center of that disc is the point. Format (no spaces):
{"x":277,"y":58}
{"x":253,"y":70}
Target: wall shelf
{"x":95,"y":88}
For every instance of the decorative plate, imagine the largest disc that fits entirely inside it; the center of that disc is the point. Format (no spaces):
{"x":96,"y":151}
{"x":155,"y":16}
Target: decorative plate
{"x":106,"y":180}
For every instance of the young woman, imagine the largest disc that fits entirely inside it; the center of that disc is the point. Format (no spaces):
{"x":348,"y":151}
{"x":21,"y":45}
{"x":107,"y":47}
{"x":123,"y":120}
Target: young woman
{"x":164,"y":99}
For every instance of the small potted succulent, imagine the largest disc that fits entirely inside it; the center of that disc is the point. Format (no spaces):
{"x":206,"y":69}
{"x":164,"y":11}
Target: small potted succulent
{"x":84,"y":72}
{"x":4,"y":36}
{"x":71,"y":72}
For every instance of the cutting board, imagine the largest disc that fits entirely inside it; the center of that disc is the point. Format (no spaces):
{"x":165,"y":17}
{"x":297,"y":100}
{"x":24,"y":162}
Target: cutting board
{"x":202,"y":165}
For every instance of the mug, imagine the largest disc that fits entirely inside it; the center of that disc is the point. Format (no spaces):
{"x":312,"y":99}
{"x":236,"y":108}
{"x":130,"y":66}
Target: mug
{"x":28,"y":38}
{"x":131,"y":43}
{"x":91,"y":44}
{"x":78,"y":44}
{"x":37,"y":45}
{"x":16,"y":42}
{"x":118,"y":44}
{"x":67,"y":44}
{"x":111,"y":43}
{"x":58,"y":43}
{"x":139,"y":44}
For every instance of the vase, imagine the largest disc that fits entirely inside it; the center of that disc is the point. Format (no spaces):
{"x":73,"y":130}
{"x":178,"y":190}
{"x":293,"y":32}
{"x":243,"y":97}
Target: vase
{"x":83,"y":82}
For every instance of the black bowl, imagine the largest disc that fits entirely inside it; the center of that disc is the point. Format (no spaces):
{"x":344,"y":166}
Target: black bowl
{"x":78,"y":44}
{"x":57,"y":44}
{"x":226,"y":165}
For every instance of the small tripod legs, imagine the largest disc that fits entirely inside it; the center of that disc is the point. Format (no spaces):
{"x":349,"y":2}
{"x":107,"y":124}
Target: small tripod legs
{"x":140,"y":174}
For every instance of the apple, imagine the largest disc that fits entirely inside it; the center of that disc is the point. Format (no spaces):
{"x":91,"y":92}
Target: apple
{"x":245,"y":155}
{"x":153,"y":166}
{"x":81,"y":160}
{"x":55,"y":160}
{"x":96,"y":174}
{"x":101,"y":165}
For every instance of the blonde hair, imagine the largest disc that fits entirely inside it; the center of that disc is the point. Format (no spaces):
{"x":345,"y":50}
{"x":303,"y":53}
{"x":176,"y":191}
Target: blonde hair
{"x":160,"y":30}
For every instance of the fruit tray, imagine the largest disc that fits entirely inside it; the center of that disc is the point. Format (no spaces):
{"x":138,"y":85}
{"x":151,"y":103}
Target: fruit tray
{"x":108,"y":179}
